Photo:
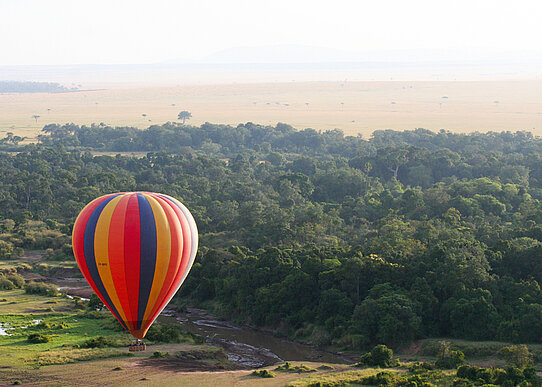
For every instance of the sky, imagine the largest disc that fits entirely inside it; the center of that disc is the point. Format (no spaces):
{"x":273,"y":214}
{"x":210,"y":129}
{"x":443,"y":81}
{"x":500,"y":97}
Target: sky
{"x":62,"y":32}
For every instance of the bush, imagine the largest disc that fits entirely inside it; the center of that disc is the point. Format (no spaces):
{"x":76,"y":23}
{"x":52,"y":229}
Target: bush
{"x":380,"y":356}
{"x":172,"y":333}
{"x":95,"y":303}
{"x":495,"y":376}
{"x":36,"y":338}
{"x":17,"y":279}
{"x":380,"y":379}
{"x":288,"y":367}
{"x":448,"y":359}
{"x":6,"y":284}
{"x":49,"y":325}
{"x":6,"y":250}
{"x":159,"y":355}
{"x":97,"y":342}
{"x":41,"y":289}
{"x":420,"y":368}
{"x":517,"y":356}
{"x":263,"y":374}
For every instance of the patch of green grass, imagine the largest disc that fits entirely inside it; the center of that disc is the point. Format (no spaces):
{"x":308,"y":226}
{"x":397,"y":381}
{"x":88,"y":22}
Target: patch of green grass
{"x":67,"y":331}
{"x":72,"y":355}
{"x":18,"y":302}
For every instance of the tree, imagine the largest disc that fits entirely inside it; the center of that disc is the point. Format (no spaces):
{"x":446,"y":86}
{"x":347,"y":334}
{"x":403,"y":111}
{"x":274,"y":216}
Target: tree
{"x":184,"y":115}
{"x":387,"y":315}
{"x":95,"y":303}
{"x":6,"y":250}
{"x":380,"y":356}
{"x":517,"y":356}
{"x":446,"y":358}
{"x":35,"y":116}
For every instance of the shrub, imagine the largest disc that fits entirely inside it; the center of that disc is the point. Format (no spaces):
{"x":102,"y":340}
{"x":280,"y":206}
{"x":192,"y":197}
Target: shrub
{"x":41,"y":289}
{"x":97,"y":342}
{"x":172,"y":333}
{"x":6,"y":284}
{"x":458,"y":382}
{"x":380,"y":379}
{"x":49,"y":325}
{"x":495,"y":376}
{"x":263,"y":374}
{"x":420,"y":368}
{"x":448,"y":359}
{"x":380,"y":356}
{"x":159,"y":355}
{"x":17,"y":279}
{"x":95,"y":303}
{"x":6,"y":250}
{"x":517,"y":356}
{"x":288,"y":367}
{"x":36,"y":338}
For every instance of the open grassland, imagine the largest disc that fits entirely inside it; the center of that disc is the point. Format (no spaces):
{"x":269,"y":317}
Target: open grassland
{"x":355,"y":107}
{"x":66,"y":359}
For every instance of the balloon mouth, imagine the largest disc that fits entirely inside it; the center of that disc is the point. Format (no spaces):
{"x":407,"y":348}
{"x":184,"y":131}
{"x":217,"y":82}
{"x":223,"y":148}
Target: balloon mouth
{"x":139,"y":333}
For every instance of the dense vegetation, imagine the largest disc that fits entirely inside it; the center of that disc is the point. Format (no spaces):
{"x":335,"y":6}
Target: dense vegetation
{"x":325,"y":238}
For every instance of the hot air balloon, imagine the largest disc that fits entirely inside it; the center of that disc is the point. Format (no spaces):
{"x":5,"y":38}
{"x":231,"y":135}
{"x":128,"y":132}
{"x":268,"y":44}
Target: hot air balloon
{"x":135,"y":249}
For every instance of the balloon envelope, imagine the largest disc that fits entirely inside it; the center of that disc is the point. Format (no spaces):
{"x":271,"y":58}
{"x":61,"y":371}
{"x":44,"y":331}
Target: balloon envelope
{"x":135,"y":249}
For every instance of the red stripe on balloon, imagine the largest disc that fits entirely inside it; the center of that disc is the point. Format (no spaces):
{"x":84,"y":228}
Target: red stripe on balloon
{"x":116,"y":256}
{"x":132,"y":255}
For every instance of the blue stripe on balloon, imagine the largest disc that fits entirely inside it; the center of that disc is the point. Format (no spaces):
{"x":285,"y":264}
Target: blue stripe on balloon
{"x":148,"y":255}
{"x":90,"y":258}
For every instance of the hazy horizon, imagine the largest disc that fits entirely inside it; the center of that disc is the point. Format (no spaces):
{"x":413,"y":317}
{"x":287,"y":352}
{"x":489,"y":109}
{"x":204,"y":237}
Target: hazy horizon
{"x":63,"y":32}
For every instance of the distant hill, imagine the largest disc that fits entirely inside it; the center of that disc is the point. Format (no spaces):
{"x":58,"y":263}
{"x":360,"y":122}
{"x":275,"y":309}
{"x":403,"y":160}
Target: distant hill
{"x":33,"y":87}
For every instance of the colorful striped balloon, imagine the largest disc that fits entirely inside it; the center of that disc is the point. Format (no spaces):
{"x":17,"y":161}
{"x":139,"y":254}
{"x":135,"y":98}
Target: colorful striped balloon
{"x":135,"y":249}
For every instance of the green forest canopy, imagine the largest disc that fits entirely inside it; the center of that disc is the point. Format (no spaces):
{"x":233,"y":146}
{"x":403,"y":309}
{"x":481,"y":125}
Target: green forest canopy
{"x":326,"y":238}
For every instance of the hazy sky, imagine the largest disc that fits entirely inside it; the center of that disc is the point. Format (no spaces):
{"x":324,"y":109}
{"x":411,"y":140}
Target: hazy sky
{"x":136,"y":31}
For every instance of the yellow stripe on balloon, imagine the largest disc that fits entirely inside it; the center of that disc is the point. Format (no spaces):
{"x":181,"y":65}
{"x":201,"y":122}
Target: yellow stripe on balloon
{"x":163,"y":253}
{"x":101,"y":253}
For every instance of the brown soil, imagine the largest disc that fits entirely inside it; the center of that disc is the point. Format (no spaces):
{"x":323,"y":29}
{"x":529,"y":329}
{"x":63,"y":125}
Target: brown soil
{"x":415,"y":348}
{"x":191,"y":361}
{"x":84,"y":291}
{"x":30,"y":276}
{"x":185,"y":365}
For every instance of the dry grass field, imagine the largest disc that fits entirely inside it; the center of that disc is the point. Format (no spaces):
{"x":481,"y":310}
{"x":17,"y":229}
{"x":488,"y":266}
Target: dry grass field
{"x":355,"y":107}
